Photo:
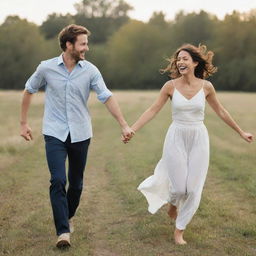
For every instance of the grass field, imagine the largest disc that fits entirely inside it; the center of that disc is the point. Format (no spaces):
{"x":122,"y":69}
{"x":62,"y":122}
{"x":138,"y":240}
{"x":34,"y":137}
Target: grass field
{"x":112,"y":219}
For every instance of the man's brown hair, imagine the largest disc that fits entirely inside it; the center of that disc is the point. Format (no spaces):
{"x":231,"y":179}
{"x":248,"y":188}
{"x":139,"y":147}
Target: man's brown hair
{"x":70,"y":33}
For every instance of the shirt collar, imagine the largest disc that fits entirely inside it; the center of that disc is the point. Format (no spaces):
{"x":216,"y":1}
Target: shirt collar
{"x":81,"y":63}
{"x":61,"y":61}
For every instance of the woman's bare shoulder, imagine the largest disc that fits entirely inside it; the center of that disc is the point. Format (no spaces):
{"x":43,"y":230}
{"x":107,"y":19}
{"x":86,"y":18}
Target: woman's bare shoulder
{"x":169,"y":86}
{"x":208,"y":84}
{"x":208,"y":88}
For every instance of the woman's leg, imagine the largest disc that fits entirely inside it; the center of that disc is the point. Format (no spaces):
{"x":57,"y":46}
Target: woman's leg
{"x":197,"y":170}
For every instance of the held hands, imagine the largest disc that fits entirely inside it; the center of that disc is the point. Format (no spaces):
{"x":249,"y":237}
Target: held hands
{"x":247,"y":136}
{"x":127,"y":134}
{"x":26,"y":132}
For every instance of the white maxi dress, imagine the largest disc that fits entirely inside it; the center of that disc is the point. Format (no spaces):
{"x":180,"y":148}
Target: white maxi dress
{"x":180,"y":174}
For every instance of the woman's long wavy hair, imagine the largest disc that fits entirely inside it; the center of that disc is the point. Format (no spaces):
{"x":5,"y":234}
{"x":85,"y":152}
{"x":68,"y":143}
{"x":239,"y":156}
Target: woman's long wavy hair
{"x":199,"y":54}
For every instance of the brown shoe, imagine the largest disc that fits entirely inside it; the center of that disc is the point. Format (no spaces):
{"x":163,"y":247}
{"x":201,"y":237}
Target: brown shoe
{"x":63,"y":240}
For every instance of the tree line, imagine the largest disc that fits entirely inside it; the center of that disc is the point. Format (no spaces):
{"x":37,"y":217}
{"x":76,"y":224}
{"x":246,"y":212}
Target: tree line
{"x":129,"y":52}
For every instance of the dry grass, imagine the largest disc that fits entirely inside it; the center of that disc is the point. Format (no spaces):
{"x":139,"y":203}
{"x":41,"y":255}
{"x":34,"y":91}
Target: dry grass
{"x":112,"y":219}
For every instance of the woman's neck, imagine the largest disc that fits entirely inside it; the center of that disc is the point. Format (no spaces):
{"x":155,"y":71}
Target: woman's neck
{"x":189,"y":79}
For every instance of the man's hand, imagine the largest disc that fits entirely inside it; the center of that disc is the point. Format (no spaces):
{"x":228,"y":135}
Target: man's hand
{"x":26,"y":132}
{"x":114,"y":109}
{"x":127,"y":134}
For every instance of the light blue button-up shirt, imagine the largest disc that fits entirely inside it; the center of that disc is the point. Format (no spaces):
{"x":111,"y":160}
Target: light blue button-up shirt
{"x":66,"y":95}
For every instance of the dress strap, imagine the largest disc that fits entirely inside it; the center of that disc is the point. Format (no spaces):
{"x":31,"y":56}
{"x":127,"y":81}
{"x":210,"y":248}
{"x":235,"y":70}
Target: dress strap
{"x":173,"y":83}
{"x":173,"y":87}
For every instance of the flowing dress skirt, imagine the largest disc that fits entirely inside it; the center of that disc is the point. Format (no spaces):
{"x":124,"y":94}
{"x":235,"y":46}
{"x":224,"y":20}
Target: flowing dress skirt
{"x":180,"y":174}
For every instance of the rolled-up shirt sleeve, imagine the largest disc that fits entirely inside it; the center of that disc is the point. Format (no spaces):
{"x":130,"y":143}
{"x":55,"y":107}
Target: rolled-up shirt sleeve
{"x":99,"y":86}
{"x":36,"y":81}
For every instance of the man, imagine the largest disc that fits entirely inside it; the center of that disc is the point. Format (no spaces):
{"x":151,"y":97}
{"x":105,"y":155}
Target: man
{"x":67,"y":125}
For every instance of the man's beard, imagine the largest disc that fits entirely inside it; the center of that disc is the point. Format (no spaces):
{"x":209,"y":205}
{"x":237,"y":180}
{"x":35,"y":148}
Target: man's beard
{"x":76,"y":56}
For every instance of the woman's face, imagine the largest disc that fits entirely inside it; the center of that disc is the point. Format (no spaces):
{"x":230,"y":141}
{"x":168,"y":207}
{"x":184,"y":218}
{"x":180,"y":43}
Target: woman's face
{"x":185,"y":63}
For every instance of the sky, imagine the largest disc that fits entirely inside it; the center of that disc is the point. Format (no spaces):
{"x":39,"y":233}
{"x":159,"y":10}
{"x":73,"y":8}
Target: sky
{"x":37,"y":10}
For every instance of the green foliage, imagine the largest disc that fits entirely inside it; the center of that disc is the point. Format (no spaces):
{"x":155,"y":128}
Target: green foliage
{"x":158,"y":19}
{"x":101,"y":17}
{"x":54,"y":23}
{"x":97,"y":55}
{"x":103,"y":8}
{"x":235,"y":51}
{"x":101,"y":27}
{"x":130,"y":53}
{"x":193,"y":28}
{"x":134,"y":55}
{"x":21,"y":49}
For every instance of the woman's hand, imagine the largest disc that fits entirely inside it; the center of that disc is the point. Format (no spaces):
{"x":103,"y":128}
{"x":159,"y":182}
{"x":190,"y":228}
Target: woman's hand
{"x":126,"y":137}
{"x":247,"y":136}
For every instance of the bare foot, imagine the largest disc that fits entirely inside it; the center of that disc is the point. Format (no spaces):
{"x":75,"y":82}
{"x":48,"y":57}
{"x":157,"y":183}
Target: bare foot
{"x":172,"y":212}
{"x":178,"y":237}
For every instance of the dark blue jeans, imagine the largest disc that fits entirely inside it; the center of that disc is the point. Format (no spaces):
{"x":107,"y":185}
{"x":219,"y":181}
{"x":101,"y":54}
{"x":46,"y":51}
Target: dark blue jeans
{"x":64,"y":203}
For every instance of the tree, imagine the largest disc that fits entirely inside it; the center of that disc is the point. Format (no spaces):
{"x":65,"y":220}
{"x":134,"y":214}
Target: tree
{"x":235,"y":51}
{"x":101,"y":17}
{"x":134,"y":56}
{"x":158,"y":19}
{"x":103,"y":8}
{"x":193,"y":28}
{"x":54,"y":23}
{"x":21,"y":49}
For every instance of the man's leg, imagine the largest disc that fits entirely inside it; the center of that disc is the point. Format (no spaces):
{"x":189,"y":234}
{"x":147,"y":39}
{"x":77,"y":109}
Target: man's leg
{"x":56,"y":154}
{"x":77,"y":156}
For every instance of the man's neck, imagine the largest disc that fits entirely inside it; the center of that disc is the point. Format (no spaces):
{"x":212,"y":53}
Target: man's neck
{"x":69,"y":61}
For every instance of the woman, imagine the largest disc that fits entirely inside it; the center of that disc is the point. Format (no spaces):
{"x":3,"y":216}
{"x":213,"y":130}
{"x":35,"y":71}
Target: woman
{"x":180,"y":174}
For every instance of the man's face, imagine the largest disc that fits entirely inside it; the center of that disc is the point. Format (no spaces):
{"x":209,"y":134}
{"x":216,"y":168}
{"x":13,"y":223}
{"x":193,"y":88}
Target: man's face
{"x":79,"y":48}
